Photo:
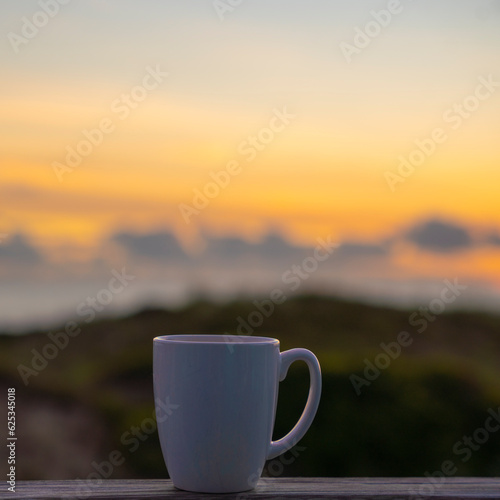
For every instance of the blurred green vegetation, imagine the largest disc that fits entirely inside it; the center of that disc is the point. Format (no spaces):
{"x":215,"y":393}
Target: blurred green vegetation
{"x":407,"y":421}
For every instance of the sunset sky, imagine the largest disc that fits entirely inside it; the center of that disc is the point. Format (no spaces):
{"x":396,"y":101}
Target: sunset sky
{"x":313,"y":107}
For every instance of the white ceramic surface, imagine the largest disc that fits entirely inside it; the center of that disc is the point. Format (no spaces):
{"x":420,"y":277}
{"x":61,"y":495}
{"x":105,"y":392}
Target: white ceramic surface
{"x":218,"y":437}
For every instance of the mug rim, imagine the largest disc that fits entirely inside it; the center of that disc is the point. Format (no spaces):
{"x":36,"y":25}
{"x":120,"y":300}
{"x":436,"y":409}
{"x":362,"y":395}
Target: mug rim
{"x":214,"y":339}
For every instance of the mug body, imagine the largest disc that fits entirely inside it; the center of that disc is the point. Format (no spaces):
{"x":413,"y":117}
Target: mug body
{"x":217,"y":438}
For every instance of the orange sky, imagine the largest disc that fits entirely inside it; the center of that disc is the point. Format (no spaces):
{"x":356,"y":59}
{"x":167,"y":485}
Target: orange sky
{"x":322,"y":171}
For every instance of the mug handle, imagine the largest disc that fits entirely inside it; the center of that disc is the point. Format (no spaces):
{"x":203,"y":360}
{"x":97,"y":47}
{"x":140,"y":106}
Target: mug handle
{"x":287,"y":358}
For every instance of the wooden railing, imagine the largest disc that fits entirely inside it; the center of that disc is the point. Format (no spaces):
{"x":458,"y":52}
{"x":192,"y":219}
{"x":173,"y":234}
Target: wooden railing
{"x":270,"y":488}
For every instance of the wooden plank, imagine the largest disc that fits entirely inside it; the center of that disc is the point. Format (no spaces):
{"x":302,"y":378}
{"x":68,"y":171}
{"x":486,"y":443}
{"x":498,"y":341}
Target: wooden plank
{"x":270,"y":488}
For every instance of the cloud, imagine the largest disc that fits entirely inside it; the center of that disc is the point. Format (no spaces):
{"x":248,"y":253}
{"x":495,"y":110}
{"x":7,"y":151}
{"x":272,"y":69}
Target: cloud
{"x":361,"y":250}
{"x":164,"y":246}
{"x":224,"y":248}
{"x":270,"y":248}
{"x":274,"y":246}
{"x":221,"y":251}
{"x":17,"y":249}
{"x":439,"y":236}
{"x":157,"y":245}
{"x":493,"y":239}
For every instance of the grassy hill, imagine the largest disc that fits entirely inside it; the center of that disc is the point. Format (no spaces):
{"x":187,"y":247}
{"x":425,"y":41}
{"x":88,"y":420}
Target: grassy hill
{"x":416,"y":407}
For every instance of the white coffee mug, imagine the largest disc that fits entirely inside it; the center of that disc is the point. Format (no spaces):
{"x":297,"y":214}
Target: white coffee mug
{"x":224,"y":391}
